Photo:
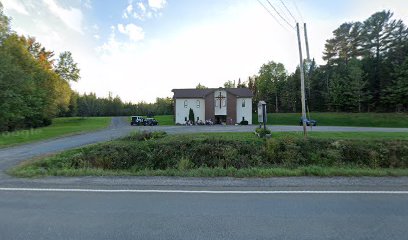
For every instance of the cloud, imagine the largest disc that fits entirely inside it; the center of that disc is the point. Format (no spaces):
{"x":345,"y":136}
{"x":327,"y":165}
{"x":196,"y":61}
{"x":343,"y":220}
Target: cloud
{"x":142,"y":11}
{"x":86,"y":4}
{"x":157,"y":4}
{"x":128,"y":11}
{"x":141,"y":6}
{"x":72,"y":17}
{"x":111,"y":45}
{"x":134,"y":32}
{"x":16,"y":6}
{"x":129,"y":8}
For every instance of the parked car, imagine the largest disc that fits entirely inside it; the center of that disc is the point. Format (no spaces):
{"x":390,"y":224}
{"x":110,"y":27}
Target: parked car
{"x":150,"y":122}
{"x":137,"y":120}
{"x":309,"y":122}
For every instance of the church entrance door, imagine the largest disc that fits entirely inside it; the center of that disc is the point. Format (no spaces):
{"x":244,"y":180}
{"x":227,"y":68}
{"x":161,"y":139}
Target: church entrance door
{"x":220,"y":119}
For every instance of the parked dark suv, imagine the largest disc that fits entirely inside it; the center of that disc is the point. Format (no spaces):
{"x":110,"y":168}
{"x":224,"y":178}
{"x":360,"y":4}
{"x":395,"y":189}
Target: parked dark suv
{"x":150,"y":122}
{"x":309,"y":122}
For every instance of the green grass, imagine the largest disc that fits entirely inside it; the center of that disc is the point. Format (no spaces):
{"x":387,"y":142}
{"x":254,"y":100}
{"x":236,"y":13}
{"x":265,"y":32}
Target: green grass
{"x":322,"y":135}
{"x":395,"y":120}
{"x":164,"y":120}
{"x":59,"y":127}
{"x":33,"y":172}
{"x":174,"y":152}
{"x":347,"y":135}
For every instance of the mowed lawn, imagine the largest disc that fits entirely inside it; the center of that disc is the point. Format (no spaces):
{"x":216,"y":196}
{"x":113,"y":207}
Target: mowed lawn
{"x":320,"y":135}
{"x":59,"y":127}
{"x":393,"y":120}
{"x":165,"y":120}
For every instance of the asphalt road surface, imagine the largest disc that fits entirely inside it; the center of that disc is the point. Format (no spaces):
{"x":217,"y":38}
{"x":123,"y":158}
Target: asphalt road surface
{"x":195,"y":208}
{"x":284,"y":208}
{"x":119,"y":128}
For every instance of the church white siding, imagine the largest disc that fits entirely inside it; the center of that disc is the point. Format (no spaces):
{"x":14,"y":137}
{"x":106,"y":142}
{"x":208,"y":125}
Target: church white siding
{"x":183,"y":106}
{"x":244,"y":109}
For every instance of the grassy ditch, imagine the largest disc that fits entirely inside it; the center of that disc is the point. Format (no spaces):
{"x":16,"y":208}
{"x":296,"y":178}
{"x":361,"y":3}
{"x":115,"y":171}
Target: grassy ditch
{"x":59,"y":127}
{"x":234,"y":155}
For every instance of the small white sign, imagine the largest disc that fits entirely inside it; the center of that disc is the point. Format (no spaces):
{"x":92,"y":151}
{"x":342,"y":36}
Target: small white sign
{"x":260,"y":111}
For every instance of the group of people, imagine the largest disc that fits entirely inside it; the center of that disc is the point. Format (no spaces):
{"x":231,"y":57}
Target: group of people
{"x":199,"y":122}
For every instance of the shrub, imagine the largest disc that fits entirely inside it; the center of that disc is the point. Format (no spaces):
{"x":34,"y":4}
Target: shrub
{"x":187,"y":152}
{"x":191,"y":115}
{"x":184,"y":164}
{"x":262,"y":132}
{"x":145,"y":135}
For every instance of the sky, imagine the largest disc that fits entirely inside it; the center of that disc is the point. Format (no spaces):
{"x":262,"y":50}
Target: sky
{"x":142,"y":49}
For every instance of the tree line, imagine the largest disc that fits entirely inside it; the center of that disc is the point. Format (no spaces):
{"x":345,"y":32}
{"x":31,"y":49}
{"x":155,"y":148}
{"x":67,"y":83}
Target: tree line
{"x":86,"y":105}
{"x":366,"y":70}
{"x":34,"y":85}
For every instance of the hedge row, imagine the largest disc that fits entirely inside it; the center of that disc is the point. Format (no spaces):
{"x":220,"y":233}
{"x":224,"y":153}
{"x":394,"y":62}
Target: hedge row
{"x":185,"y":152}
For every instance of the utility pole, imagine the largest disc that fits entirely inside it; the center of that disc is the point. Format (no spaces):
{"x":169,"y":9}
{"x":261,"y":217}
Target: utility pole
{"x":302,"y":81}
{"x":276,"y":92}
{"x":306,"y":42}
{"x":308,"y":65}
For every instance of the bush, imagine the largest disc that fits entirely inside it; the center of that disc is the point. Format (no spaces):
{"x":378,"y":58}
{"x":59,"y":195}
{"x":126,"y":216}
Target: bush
{"x":262,"y":132}
{"x":184,"y":164}
{"x":145,"y":135}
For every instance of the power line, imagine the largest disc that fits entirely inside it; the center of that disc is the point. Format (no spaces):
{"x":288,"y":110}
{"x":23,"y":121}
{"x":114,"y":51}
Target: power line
{"x":272,"y":15}
{"x":281,"y":10}
{"x":297,"y":10}
{"x":284,"y":19}
{"x":287,"y":9}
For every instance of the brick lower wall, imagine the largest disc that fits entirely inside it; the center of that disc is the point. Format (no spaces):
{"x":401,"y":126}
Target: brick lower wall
{"x":231,"y":109}
{"x":209,"y":107}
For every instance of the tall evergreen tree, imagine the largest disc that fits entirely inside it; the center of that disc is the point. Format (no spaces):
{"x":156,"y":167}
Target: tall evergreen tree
{"x":397,"y":93}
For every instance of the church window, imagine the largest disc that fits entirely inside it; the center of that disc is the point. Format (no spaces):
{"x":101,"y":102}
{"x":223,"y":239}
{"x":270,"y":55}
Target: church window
{"x":243,"y":102}
{"x":185,"y":103}
{"x":220,"y":100}
{"x":198,"y":103}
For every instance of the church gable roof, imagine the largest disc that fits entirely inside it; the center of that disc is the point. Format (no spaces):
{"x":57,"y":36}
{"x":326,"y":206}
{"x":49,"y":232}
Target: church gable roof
{"x":202,"y":93}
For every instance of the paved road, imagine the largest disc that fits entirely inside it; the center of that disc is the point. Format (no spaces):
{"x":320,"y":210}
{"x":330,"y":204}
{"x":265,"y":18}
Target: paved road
{"x":32,"y":213}
{"x":210,"y":215}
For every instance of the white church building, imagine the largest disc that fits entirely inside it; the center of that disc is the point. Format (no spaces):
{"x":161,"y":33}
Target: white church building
{"x":220,"y":105}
